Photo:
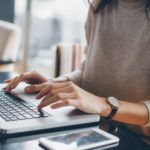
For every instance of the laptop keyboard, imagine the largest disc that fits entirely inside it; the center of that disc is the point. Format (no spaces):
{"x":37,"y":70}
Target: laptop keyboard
{"x":13,"y":108}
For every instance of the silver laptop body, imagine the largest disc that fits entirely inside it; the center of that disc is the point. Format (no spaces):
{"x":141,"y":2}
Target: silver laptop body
{"x":59,"y":118}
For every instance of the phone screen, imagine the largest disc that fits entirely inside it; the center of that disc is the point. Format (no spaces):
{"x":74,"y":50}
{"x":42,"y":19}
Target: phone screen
{"x":74,"y":140}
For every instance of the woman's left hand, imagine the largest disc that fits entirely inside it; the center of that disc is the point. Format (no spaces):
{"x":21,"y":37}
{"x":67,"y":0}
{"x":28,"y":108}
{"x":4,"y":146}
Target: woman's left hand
{"x":68,"y":94}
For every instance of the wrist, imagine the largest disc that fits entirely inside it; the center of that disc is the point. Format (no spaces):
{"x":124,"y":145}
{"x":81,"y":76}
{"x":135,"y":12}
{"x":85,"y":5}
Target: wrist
{"x":106,"y":108}
{"x":114,"y":104}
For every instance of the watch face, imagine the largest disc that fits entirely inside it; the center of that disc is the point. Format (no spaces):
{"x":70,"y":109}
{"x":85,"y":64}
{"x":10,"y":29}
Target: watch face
{"x":113,"y":101}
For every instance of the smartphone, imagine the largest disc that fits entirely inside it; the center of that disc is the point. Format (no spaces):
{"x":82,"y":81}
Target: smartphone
{"x":80,"y":140}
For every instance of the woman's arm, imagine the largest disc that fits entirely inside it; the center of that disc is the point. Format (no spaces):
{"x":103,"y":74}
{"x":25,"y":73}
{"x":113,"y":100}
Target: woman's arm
{"x":67,"y":93}
{"x":132,"y":113}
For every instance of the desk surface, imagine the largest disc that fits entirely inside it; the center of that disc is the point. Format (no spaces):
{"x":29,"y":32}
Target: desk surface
{"x":31,"y":145}
{"x":21,"y":146}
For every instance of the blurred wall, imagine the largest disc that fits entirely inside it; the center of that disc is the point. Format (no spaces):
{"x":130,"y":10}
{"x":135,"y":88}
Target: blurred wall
{"x":7,"y":10}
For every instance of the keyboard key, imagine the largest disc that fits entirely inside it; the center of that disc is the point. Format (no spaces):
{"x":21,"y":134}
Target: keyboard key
{"x":21,"y":117}
{"x":16,"y":114}
{"x":13,"y":118}
{"x":10,"y":116}
{"x":22,"y":112}
{"x":13,"y":111}
{"x":32,"y":113}
{"x":5,"y":118}
{"x":7,"y":113}
{"x":9,"y":109}
{"x":3,"y":110}
{"x":36,"y":116}
{"x":27,"y":116}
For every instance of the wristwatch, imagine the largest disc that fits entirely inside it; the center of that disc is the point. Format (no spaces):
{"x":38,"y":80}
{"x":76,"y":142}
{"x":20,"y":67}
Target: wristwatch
{"x":114,"y":104}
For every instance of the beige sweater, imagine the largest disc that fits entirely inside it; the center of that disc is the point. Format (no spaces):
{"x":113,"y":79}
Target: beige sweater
{"x":117,"y":54}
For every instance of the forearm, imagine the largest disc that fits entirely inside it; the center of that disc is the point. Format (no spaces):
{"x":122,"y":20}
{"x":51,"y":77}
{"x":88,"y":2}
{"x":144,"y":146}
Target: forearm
{"x":132,"y":113}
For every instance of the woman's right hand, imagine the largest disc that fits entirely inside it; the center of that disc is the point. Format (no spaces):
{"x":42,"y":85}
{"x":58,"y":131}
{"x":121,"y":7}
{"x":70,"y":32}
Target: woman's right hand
{"x":36,"y":80}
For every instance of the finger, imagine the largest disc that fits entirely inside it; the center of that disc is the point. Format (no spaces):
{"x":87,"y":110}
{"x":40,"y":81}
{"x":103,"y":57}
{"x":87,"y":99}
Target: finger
{"x":49,"y":88}
{"x":67,"y":89}
{"x":52,"y":86}
{"x":46,"y":101}
{"x":14,"y":83}
{"x":8,"y":80}
{"x":34,"y":88}
{"x":43,"y":92}
{"x":49,"y":99}
{"x":61,"y":84}
{"x":9,"y":86}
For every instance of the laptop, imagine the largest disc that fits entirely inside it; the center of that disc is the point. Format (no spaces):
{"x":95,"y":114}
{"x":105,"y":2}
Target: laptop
{"x":19,"y":115}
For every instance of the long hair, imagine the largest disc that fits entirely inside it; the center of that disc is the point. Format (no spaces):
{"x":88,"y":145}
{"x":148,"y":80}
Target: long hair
{"x":104,"y":3}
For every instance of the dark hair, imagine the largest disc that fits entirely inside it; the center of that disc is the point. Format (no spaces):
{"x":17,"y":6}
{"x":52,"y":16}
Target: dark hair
{"x":104,"y":3}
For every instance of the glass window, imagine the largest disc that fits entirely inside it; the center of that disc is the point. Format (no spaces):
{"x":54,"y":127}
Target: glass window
{"x":52,"y":22}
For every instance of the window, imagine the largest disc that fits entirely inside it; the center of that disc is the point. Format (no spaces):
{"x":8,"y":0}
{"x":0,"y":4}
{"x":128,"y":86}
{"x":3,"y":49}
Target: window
{"x":51,"y":22}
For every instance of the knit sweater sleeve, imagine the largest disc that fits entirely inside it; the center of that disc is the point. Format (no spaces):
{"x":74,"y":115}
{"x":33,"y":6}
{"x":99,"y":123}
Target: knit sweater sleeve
{"x":76,"y":75}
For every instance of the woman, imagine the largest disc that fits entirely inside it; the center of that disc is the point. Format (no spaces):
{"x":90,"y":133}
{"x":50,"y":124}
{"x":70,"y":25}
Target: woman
{"x":117,"y":64}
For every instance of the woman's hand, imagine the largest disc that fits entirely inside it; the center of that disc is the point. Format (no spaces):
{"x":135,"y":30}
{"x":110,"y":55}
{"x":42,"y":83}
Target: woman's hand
{"x":36,"y":80}
{"x":67,"y":93}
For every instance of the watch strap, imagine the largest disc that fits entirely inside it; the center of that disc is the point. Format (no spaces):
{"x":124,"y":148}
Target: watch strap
{"x":112,"y":114}
{"x":114,"y":110}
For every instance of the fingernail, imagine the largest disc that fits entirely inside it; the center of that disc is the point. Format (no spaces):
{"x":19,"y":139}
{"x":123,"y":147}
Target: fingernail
{"x":7,"y":91}
{"x":37,"y":97}
{"x":39,"y":106}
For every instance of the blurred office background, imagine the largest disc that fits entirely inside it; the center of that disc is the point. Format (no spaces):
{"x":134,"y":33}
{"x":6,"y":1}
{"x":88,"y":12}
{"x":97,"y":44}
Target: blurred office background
{"x":44,"y":23}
